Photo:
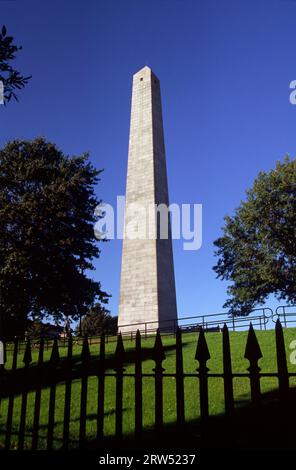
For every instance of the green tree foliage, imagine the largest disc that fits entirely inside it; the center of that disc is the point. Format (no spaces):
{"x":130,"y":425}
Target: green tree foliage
{"x":47,"y":243}
{"x":258,"y":248}
{"x":11,"y":78}
{"x":35,"y":330}
{"x":97,"y":321}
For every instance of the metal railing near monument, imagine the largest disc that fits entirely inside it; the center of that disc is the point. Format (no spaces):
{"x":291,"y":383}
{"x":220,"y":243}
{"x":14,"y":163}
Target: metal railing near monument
{"x":286,"y":314}
{"x":39,"y":380}
{"x":258,"y":317}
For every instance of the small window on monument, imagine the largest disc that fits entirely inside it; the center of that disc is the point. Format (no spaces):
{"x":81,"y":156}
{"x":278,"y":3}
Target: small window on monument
{"x":141,"y":79}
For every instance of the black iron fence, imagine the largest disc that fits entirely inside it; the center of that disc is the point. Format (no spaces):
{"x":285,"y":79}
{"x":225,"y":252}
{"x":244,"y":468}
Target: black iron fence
{"x":47,"y":375}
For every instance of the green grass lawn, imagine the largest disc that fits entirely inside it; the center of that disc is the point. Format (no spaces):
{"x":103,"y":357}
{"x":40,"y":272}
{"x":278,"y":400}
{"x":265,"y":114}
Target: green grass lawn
{"x":216,"y":395}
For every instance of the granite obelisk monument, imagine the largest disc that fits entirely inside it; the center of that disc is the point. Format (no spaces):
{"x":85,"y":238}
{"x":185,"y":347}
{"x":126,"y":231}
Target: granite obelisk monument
{"x":147,"y":287}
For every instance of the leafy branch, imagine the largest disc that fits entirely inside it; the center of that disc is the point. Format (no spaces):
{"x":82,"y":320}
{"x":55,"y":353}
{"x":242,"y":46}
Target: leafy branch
{"x":12,"y":79}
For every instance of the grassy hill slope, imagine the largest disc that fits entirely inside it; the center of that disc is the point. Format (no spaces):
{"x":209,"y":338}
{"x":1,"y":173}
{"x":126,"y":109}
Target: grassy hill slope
{"x":216,"y":392}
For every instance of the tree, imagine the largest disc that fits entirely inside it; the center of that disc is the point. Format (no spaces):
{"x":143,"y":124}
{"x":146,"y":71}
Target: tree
{"x":258,"y":248}
{"x":35,"y":330}
{"x":12,"y":79}
{"x":47,"y":243}
{"x":97,"y":321}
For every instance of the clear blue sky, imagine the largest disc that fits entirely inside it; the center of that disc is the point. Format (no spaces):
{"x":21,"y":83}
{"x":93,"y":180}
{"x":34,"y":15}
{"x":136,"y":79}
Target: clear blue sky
{"x":224,"y":67}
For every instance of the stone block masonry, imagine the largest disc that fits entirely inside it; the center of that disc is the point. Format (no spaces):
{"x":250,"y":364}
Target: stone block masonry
{"x":147,"y":286}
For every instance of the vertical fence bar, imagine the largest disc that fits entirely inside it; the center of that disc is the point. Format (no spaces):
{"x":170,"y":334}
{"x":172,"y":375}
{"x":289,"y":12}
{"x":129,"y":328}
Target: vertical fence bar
{"x":180,"y":380}
{"x":158,"y":357}
{"x":227,"y":373}
{"x":53,"y":363}
{"x":175,"y":327}
{"x":233,"y":323}
{"x":85,"y":358}
{"x":264,"y":319}
{"x":2,"y":378}
{"x":283,"y":375}
{"x":38,"y":396}
{"x":119,"y":358}
{"x":68,"y":389}
{"x":253,"y":354}
{"x":2,"y":359}
{"x":202,"y":356}
{"x":11,"y":398}
{"x":101,"y":390}
{"x":285,"y":318}
{"x":27,"y":360}
{"x":138,"y":388}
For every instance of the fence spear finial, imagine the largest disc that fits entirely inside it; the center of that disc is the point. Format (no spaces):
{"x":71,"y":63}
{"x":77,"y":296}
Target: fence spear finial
{"x":28,"y":354}
{"x":158,"y":354}
{"x":225,"y":328}
{"x":138,"y":342}
{"x":85,"y":353}
{"x":119,"y":352}
{"x":202,"y":354}
{"x":281,"y":360}
{"x":55,"y":355}
{"x":252,"y":352}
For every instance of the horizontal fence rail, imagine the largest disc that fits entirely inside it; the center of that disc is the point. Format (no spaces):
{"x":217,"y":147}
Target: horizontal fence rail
{"x":260,"y":319}
{"x":213,"y":322}
{"x":286,"y":314}
{"x":43,"y":377}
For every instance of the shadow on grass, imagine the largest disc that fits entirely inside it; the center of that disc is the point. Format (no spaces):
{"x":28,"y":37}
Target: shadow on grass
{"x":270,"y":426}
{"x":16,"y":382}
{"x":58,"y":440}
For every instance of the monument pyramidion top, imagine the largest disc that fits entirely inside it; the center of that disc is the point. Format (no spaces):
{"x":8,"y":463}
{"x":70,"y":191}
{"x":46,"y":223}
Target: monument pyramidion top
{"x":145,"y":72}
